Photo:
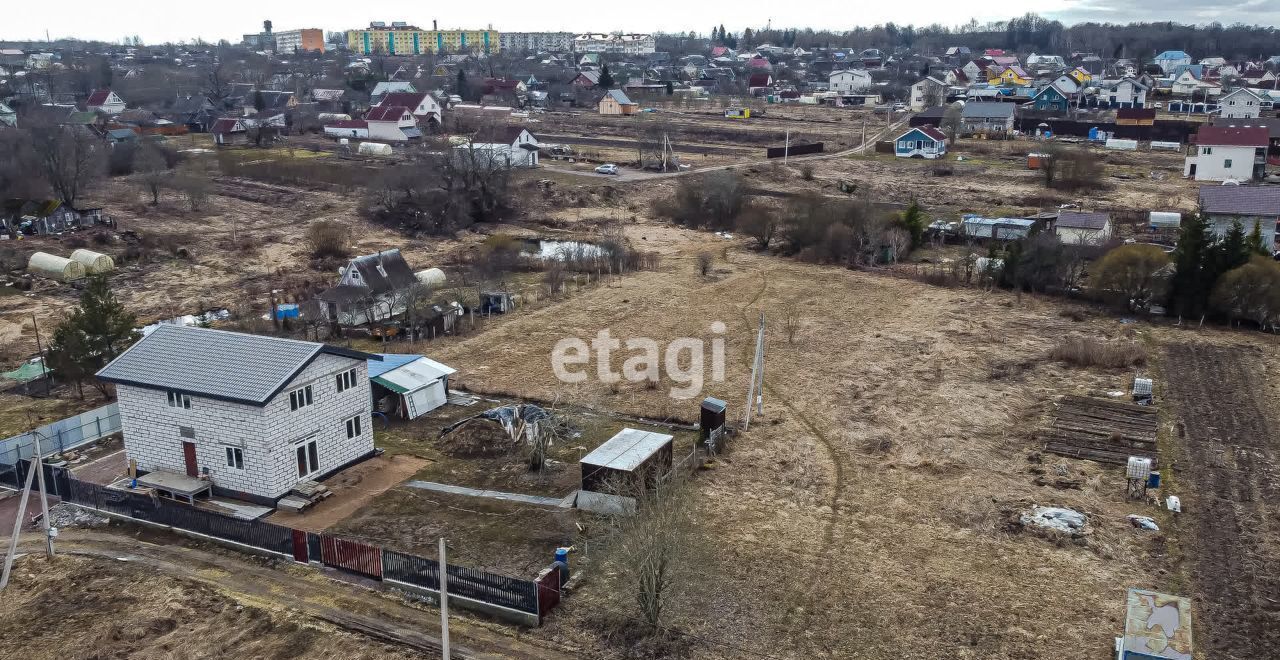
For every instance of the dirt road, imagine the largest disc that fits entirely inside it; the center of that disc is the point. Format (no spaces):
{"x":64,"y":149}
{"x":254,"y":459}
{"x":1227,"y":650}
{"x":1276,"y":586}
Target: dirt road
{"x":1231,"y":449}
{"x":629,"y":176}
{"x":344,"y":602}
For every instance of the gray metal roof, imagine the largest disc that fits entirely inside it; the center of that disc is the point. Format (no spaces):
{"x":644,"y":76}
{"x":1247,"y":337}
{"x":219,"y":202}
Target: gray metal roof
{"x":1241,"y":200}
{"x":987,"y":111}
{"x":231,"y":366}
{"x":627,"y":450}
{"x":1082,"y":220}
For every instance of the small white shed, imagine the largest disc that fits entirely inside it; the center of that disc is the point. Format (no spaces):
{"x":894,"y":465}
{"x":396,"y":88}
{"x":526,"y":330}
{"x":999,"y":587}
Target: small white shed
{"x":409,"y":385}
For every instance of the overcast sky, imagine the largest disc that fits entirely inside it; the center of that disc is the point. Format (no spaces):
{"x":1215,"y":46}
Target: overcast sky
{"x":228,"y":19}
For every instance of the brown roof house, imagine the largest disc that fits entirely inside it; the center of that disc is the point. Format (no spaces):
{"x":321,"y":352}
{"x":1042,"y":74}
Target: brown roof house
{"x":104,"y":100}
{"x":372,"y":288}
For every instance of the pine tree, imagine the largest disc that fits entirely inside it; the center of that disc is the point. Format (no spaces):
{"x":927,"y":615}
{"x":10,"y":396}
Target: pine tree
{"x":1188,"y":290}
{"x":259,"y":103}
{"x":913,"y":221}
{"x":1254,"y":242}
{"x":461,"y":82}
{"x":95,"y":333}
{"x":606,"y":79}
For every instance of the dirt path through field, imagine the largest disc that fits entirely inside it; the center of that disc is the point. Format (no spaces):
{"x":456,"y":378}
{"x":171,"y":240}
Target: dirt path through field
{"x":1231,"y":446}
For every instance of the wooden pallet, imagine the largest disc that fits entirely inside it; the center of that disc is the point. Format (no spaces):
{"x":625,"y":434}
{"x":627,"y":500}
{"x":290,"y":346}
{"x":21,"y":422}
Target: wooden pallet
{"x":1102,"y":430}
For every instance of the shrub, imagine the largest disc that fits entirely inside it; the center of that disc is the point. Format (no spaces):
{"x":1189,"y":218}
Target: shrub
{"x":1083,"y":352}
{"x":806,"y":172}
{"x":329,"y":238}
{"x":705,"y":259}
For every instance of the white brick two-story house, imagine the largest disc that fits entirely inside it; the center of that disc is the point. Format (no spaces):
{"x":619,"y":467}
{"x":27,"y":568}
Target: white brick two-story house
{"x":252,"y":414}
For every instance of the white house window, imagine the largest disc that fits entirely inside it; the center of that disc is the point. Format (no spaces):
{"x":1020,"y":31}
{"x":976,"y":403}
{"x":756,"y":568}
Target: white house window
{"x":300,"y":398}
{"x":1207,"y":151}
{"x":178,"y":400}
{"x":235,"y":458}
{"x":346,"y":380}
{"x":308,"y":459}
{"x":353,"y":427}
{"x":1226,"y":163}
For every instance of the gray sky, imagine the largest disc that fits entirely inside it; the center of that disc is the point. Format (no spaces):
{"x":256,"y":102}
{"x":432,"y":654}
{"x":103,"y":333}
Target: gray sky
{"x":228,"y":19}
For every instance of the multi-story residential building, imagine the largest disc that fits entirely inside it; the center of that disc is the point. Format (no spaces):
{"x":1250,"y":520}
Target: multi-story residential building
{"x":400,"y":38}
{"x":536,"y":42}
{"x":249,"y":415}
{"x":1227,"y":153}
{"x":617,"y":42}
{"x":1242,"y":103}
{"x":305,"y":40}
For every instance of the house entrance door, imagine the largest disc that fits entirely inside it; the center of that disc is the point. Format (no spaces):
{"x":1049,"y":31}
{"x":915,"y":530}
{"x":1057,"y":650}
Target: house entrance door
{"x":189,"y":457}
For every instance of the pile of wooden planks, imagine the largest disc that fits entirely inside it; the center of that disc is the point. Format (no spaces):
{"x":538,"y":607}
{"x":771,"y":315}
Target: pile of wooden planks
{"x":1102,"y":430}
{"x":303,"y":495}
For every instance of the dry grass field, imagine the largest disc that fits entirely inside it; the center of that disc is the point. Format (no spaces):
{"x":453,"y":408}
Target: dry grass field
{"x":872,"y":510}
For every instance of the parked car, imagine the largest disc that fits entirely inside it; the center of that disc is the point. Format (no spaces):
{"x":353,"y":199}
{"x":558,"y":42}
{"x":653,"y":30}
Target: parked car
{"x":608,"y":168}
{"x":1158,"y":105}
{"x":899,"y":107}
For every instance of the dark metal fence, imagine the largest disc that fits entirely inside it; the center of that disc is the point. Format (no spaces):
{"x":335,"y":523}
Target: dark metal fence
{"x":345,"y":554}
{"x":794,"y":150}
{"x":510,"y":592}
{"x":255,"y":533}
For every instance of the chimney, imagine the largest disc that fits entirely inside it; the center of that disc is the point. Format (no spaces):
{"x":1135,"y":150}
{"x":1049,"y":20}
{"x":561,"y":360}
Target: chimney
{"x":434,"y":28}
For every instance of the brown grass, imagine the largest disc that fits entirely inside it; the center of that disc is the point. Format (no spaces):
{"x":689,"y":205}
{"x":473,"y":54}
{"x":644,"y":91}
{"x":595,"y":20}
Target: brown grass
{"x":1082,"y":352}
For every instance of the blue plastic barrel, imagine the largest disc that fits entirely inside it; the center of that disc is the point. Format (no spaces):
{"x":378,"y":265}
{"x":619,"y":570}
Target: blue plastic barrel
{"x":562,"y":555}
{"x":1153,"y":480}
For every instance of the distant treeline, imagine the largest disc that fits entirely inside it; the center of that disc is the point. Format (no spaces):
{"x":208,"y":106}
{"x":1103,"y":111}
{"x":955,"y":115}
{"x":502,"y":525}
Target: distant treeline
{"x":1028,"y":33}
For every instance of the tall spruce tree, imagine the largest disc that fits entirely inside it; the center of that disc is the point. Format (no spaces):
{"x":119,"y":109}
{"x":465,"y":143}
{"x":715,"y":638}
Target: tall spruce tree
{"x":1188,"y":289}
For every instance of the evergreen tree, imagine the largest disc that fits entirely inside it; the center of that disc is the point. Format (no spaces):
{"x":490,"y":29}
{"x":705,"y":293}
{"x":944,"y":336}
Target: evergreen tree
{"x":670,"y":88}
{"x":1232,"y":251}
{"x":460,"y":84}
{"x":259,"y":103}
{"x":1254,"y":242}
{"x":1189,"y":290}
{"x":95,"y":333}
{"x":606,"y":79}
{"x":913,"y":221}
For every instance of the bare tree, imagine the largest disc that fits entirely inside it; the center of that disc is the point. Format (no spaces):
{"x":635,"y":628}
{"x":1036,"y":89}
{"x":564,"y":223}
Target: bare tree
{"x":152,"y":169}
{"x":760,"y":223}
{"x":705,"y":260}
{"x":69,"y":158}
{"x":194,"y":186}
{"x":791,"y":320}
{"x":649,"y":556}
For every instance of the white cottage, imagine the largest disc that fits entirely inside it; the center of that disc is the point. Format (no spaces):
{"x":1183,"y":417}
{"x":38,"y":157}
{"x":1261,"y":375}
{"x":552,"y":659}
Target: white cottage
{"x":849,"y":81}
{"x":1242,"y":103}
{"x":250,"y":415}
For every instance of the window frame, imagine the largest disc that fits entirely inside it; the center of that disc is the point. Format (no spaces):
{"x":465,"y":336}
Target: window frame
{"x":300,"y":398}
{"x":177,"y":399}
{"x":307,"y":455}
{"x":235,"y":458}
{"x":352,"y":425}
{"x":346,"y":380}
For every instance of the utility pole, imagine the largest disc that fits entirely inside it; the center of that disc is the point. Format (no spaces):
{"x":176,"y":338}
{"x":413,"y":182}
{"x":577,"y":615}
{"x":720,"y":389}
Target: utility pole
{"x":444,"y":602}
{"x":786,"y":149}
{"x":44,"y":498}
{"x":44,"y":372}
{"x":17,"y":528}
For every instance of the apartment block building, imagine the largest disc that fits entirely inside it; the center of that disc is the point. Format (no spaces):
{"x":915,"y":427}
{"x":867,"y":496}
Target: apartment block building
{"x":400,"y":38}
{"x":536,"y":42}
{"x":305,"y":40}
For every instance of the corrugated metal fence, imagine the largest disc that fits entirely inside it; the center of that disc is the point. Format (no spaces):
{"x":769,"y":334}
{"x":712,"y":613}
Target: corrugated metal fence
{"x":345,"y":554}
{"x":63,"y":434}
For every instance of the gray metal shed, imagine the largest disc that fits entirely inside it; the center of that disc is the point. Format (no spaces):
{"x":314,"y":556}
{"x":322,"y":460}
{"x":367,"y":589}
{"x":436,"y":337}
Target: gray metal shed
{"x":631,"y":456}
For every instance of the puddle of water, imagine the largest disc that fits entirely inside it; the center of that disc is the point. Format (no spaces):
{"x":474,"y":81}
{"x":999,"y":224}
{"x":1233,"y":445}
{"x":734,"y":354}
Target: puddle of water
{"x":563,"y":250}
